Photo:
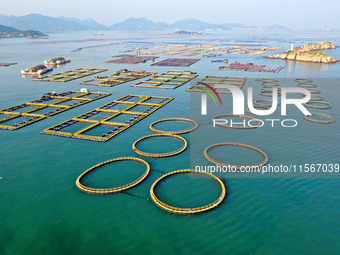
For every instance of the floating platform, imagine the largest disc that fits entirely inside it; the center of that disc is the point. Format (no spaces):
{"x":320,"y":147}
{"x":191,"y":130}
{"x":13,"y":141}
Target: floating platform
{"x":131,"y":60}
{"x":250,"y":67}
{"x":56,"y":61}
{"x":36,"y":70}
{"x":211,"y":55}
{"x":107,"y":121}
{"x":225,"y":61}
{"x":213,"y":80}
{"x":7,"y":64}
{"x":167,"y":80}
{"x":117,"y":78}
{"x":71,"y":75}
{"x":183,"y":62}
{"x":50,"y":104}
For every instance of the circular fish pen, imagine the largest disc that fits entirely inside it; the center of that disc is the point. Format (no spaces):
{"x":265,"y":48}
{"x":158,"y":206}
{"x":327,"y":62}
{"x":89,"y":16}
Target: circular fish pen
{"x":268,"y":80}
{"x":329,"y":119}
{"x":307,"y":85}
{"x":270,"y":83}
{"x":303,"y":80}
{"x":250,"y":118}
{"x":314,"y":91}
{"x":159,"y":155}
{"x":97,"y":191}
{"x":315,"y":97}
{"x":266,"y":106}
{"x":269,"y":93}
{"x":270,"y":88}
{"x":238,"y":167}
{"x":187,"y":211}
{"x":318,"y":105}
{"x":158,"y":131}
{"x":257,"y":108}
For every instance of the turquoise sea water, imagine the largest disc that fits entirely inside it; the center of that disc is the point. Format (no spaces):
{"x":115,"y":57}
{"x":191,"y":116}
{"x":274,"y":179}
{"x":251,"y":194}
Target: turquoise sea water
{"x":42,"y":211}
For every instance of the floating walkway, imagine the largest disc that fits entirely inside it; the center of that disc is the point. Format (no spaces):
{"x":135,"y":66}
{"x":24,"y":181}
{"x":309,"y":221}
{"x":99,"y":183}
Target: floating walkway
{"x":71,"y":75}
{"x":95,"y":191}
{"x":117,"y":78}
{"x":241,"y":145}
{"x":213,"y":80}
{"x":167,"y":80}
{"x":107,"y":121}
{"x":187,"y":211}
{"x":50,"y":104}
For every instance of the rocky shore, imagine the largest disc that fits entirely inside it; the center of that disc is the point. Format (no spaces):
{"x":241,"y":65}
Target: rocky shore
{"x":308,"y":53}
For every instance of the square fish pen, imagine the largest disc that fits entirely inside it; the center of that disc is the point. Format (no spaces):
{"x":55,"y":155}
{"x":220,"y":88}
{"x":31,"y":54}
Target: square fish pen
{"x":213,"y":80}
{"x":71,"y":75}
{"x":131,"y":60}
{"x":117,"y":78}
{"x":25,"y":114}
{"x":167,"y":80}
{"x":182,"y":62}
{"x":105,"y":122}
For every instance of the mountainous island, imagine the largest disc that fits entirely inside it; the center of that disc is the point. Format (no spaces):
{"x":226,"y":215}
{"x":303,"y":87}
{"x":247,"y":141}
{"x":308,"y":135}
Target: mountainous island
{"x":10,"y":32}
{"x":308,"y":53}
{"x":52,"y":24}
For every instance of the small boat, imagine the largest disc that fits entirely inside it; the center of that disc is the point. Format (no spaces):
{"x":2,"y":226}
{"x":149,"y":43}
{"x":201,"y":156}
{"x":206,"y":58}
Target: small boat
{"x":56,"y":61}
{"x":36,"y":70}
{"x":49,"y":94}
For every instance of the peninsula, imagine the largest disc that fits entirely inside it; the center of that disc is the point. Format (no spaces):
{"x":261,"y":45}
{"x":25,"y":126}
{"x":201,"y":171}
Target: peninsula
{"x":10,"y":32}
{"x":308,"y":53}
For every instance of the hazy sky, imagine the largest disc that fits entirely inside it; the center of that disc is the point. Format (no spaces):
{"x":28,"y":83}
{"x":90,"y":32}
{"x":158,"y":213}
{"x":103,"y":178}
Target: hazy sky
{"x":292,"y":13}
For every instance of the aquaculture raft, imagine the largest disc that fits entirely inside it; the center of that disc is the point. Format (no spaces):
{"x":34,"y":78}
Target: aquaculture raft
{"x":250,"y":67}
{"x":215,"y":81}
{"x":71,"y":75}
{"x":111,"y":118}
{"x":167,"y":80}
{"x":96,"y":191}
{"x":49,"y":105}
{"x":117,"y":78}
{"x":131,"y":60}
{"x":187,"y":211}
{"x":183,"y":62}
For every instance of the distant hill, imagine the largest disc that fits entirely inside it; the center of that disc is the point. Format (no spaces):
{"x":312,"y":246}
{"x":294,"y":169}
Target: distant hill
{"x":192,"y":24}
{"x":139,"y":24}
{"x":187,"y":24}
{"x":50,"y":24}
{"x":10,"y":32}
